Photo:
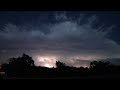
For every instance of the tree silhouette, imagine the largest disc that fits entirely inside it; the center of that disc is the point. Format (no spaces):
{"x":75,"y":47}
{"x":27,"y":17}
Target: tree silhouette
{"x":22,"y":61}
{"x":19,"y":66}
{"x":100,"y":66}
{"x":60,"y":64}
{"x":25,"y":60}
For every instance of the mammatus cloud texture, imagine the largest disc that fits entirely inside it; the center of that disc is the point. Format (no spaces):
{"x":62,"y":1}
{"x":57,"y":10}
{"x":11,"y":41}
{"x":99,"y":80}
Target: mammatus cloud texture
{"x":73,"y":41}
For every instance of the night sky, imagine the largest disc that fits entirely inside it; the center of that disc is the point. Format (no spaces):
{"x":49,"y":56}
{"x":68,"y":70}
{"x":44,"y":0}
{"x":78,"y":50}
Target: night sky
{"x":73,"y":37}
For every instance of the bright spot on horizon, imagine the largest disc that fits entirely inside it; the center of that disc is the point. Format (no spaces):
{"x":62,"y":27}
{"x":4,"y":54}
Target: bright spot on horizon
{"x":46,"y":61}
{"x":48,"y":65}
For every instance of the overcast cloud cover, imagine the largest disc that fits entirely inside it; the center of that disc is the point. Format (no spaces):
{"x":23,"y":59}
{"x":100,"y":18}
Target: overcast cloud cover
{"x":73,"y":41}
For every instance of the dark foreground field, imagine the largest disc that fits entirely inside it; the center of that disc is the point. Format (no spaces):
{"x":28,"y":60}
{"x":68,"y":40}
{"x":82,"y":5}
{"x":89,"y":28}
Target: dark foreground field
{"x":110,"y":77}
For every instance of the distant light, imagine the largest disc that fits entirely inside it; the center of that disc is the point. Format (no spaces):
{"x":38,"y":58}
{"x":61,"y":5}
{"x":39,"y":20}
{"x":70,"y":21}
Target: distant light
{"x":46,"y":61}
{"x":48,"y":65}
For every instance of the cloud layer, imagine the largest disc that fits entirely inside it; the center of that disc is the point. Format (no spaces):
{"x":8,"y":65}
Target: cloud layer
{"x":73,"y":41}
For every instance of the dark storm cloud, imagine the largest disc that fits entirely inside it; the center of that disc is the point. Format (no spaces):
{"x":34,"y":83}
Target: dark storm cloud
{"x":67,"y":38}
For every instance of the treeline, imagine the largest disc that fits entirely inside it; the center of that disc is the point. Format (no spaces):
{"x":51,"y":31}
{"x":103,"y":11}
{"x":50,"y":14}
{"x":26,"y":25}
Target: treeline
{"x":24,"y":67}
